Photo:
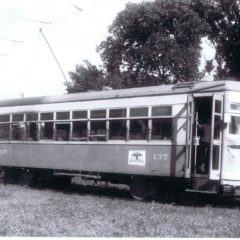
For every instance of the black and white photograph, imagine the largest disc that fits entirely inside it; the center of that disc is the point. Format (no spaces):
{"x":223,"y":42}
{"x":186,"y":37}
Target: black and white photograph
{"x":120,"y":118}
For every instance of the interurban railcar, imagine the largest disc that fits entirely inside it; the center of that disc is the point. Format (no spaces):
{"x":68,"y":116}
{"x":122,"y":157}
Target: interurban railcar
{"x":145,"y":137}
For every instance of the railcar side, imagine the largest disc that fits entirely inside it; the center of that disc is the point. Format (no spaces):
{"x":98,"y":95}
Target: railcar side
{"x":147,"y":138}
{"x":141,"y":136}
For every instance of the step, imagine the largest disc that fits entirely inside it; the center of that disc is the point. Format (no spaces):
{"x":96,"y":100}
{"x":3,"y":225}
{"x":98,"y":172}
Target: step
{"x":200,"y":191}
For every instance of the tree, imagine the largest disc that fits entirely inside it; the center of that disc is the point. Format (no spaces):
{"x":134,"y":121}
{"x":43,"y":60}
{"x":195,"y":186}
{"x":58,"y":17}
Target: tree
{"x":153,"y":43}
{"x":223,"y":17}
{"x":86,"y":77}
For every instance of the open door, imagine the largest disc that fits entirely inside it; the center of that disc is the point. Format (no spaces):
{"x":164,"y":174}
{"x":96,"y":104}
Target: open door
{"x":216,"y":137}
{"x":189,"y":124}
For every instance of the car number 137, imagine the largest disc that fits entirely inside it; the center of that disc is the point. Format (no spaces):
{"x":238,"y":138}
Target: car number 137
{"x":160,"y":156}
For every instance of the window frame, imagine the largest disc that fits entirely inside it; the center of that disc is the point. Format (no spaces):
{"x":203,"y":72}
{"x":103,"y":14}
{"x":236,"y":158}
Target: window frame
{"x":88,"y":120}
{"x":109,"y":119}
{"x":162,"y":117}
{"x":232,"y":135}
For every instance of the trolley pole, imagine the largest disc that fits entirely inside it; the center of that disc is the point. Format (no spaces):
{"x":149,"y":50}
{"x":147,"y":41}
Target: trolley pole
{"x":40,"y":30}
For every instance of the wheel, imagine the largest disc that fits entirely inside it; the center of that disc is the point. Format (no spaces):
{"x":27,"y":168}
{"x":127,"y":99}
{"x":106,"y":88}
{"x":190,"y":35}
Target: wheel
{"x":142,"y":188}
{"x":10,"y":176}
{"x":25,"y":177}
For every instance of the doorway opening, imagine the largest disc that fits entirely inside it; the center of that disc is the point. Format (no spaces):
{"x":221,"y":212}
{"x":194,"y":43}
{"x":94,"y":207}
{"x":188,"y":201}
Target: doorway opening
{"x":202,"y":136}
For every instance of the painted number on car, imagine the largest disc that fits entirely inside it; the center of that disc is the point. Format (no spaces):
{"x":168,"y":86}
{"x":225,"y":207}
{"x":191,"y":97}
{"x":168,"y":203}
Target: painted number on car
{"x":160,"y":156}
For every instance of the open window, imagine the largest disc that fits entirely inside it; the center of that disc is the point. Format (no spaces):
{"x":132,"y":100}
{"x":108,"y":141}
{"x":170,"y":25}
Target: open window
{"x":97,"y":130}
{"x":18,"y":132}
{"x":79,"y":132}
{"x":62,"y":132}
{"x":139,"y":124}
{"x":117,"y":124}
{"x":162,"y":129}
{"x":4,"y":131}
{"x":46,"y":130}
{"x":31,"y":126}
{"x":5,"y":127}
{"x":138,"y":129}
{"x":31,"y":131}
{"x":18,"y":127}
{"x":117,"y":129}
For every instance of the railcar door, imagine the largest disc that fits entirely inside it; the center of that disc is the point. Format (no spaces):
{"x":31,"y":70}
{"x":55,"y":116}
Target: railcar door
{"x":216,"y":137}
{"x":190,"y":116}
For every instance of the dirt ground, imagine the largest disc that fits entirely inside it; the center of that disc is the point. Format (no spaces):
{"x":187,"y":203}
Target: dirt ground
{"x":107,"y":211}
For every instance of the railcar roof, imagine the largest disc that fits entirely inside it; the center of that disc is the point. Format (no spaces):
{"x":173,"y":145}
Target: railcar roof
{"x":182,"y":88}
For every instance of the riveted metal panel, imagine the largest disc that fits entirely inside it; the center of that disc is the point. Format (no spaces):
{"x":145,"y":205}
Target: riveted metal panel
{"x":159,"y":160}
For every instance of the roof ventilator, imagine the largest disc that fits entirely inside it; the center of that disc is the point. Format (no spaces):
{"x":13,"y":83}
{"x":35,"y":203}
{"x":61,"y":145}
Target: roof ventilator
{"x":184,"y":85}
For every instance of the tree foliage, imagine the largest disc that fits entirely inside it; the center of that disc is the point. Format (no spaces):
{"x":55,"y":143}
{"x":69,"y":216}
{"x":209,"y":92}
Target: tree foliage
{"x":223,"y":16}
{"x":154,"y":42}
{"x":86,"y":77}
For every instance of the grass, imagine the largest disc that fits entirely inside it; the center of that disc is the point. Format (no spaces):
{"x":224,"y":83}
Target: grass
{"x":89,"y":211}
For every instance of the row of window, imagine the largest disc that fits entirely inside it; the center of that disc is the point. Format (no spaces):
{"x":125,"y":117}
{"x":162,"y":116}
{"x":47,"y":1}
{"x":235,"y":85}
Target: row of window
{"x":93,"y":114}
{"x":89,"y":125}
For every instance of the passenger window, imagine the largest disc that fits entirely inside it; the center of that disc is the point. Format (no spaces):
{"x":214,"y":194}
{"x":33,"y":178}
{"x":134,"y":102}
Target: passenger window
{"x":234,"y":127}
{"x":31,"y":131}
{"x":46,"y":131}
{"x":162,"y":111}
{"x":79,"y":132}
{"x":161,"y":129}
{"x":5,"y":118}
{"x":117,"y":129}
{"x":139,"y":112}
{"x":31,"y":117}
{"x":4,"y":131}
{"x":138,"y":129}
{"x":79,"y":114}
{"x":62,"y":115}
{"x":97,"y":131}
{"x":235,"y":106}
{"x":17,"y":132}
{"x":17,"y":117}
{"x":98,"y":114}
{"x":47,"y":116}
{"x":117,"y":113}
{"x":62,"y":131}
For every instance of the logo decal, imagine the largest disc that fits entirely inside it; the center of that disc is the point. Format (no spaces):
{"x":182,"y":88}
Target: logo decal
{"x":137,"y":157}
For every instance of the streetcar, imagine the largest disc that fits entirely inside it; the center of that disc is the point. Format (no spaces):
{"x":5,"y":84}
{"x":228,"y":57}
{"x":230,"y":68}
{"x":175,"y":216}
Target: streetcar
{"x":148,"y":138}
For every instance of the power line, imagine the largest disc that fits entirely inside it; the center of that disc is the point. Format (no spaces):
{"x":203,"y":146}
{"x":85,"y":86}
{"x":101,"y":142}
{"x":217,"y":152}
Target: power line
{"x":105,"y":5}
{"x":48,"y":23}
{"x":64,"y":17}
{"x":11,"y":40}
{"x":17,"y":47}
{"x":75,"y":6}
{"x":84,"y":10}
{"x":25,"y":19}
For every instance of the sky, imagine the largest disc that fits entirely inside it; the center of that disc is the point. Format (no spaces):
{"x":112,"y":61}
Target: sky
{"x":72,"y":28}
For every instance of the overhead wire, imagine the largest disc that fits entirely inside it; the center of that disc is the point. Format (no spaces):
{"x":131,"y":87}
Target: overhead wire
{"x":51,"y":23}
{"x":84,"y":9}
{"x":11,"y":40}
{"x":17,"y":47}
{"x":24,"y":18}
